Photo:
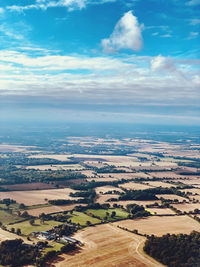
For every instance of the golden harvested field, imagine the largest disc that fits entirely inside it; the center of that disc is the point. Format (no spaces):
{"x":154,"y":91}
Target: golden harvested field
{"x":186,"y":206}
{"x":99,"y":179}
{"x":194,"y":180}
{"x":35,"y":197}
{"x":107,"y":245}
{"x":13,"y":148}
{"x":157,"y":184}
{"x":51,"y":156}
{"x":52,"y":209}
{"x":166,"y":174}
{"x":124,"y":203}
{"x":135,"y":186}
{"x":192,"y":190}
{"x":161,"y":211}
{"x":162,"y":225}
{"x":172,"y":197}
{"x":104,"y":189}
{"x":103,"y":198}
{"x":56,"y":167}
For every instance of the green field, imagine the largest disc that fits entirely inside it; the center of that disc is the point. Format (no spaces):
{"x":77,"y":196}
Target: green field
{"x":54,"y":246}
{"x":27,"y":228}
{"x":81,"y":218}
{"x":102,"y":213}
{"x":7,"y":218}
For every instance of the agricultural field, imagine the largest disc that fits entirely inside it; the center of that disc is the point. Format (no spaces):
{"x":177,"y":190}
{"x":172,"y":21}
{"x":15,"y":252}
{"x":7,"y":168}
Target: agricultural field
{"x":27,"y":228}
{"x":161,"y":225}
{"x":107,"y":188}
{"x":6,"y":217}
{"x":82,"y":218}
{"x":54,"y":167}
{"x":186,"y":207}
{"x":51,"y":209}
{"x":136,"y":186}
{"x":35,"y":197}
{"x":107,"y":245}
{"x":111,"y":168}
{"x":102,"y":213}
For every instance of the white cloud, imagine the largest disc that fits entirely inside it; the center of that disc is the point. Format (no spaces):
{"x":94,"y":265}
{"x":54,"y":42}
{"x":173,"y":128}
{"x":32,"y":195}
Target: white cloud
{"x":69,"y":4}
{"x":1,"y":10}
{"x":126,"y":35}
{"x":194,"y":22}
{"x":167,"y":67}
{"x":98,"y":79}
{"x":192,"y":35}
{"x":193,"y":2}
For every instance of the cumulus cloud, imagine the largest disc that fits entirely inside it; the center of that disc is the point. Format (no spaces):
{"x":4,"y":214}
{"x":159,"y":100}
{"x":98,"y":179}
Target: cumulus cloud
{"x":126,"y":35}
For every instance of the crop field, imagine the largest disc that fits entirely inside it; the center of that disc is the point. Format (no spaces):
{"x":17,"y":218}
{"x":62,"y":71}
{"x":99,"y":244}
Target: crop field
{"x":102,"y":213}
{"x":107,"y":188}
{"x":52,"y":209}
{"x":82,"y":218}
{"x":55,"y":167}
{"x":27,"y":228}
{"x":158,"y":184}
{"x":162,"y":225}
{"x":101,"y":199}
{"x":51,"y":156}
{"x":13,"y":148}
{"x":6,"y":217}
{"x":135,"y":186}
{"x":159,"y":211}
{"x":186,"y":206}
{"x":35,"y":197}
{"x":172,"y":197}
{"x":31,"y":186}
{"x":107,"y":245}
{"x":166,"y":174}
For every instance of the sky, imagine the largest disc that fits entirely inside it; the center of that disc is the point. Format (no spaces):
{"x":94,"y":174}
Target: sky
{"x":133,"y":61}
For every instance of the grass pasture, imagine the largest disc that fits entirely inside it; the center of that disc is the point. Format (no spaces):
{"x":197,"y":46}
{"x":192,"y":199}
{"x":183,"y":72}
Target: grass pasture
{"x":82,"y":218}
{"x":102,"y":213}
{"x":7,"y":218}
{"x":27,"y":228}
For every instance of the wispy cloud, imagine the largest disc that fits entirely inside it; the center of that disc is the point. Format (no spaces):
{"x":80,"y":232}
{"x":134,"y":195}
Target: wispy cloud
{"x":126,"y":35}
{"x":194,"y":22}
{"x":193,"y":2}
{"x":69,"y":4}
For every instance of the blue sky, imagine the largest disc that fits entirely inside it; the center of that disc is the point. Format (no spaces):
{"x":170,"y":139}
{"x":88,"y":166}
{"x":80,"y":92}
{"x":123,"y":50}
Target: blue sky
{"x":130,"y":60}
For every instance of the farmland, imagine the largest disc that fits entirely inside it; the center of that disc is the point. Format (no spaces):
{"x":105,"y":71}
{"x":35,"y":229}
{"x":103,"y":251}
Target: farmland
{"x":108,"y":193}
{"x":106,"y":245}
{"x":162,"y":225}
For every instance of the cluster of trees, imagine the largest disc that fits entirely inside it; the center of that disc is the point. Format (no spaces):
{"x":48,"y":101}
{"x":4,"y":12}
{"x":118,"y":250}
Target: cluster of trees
{"x":16,"y":253}
{"x":137,"y":211}
{"x":148,"y":194}
{"x":175,"y":250}
{"x":21,"y":159}
{"x":13,"y":175}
